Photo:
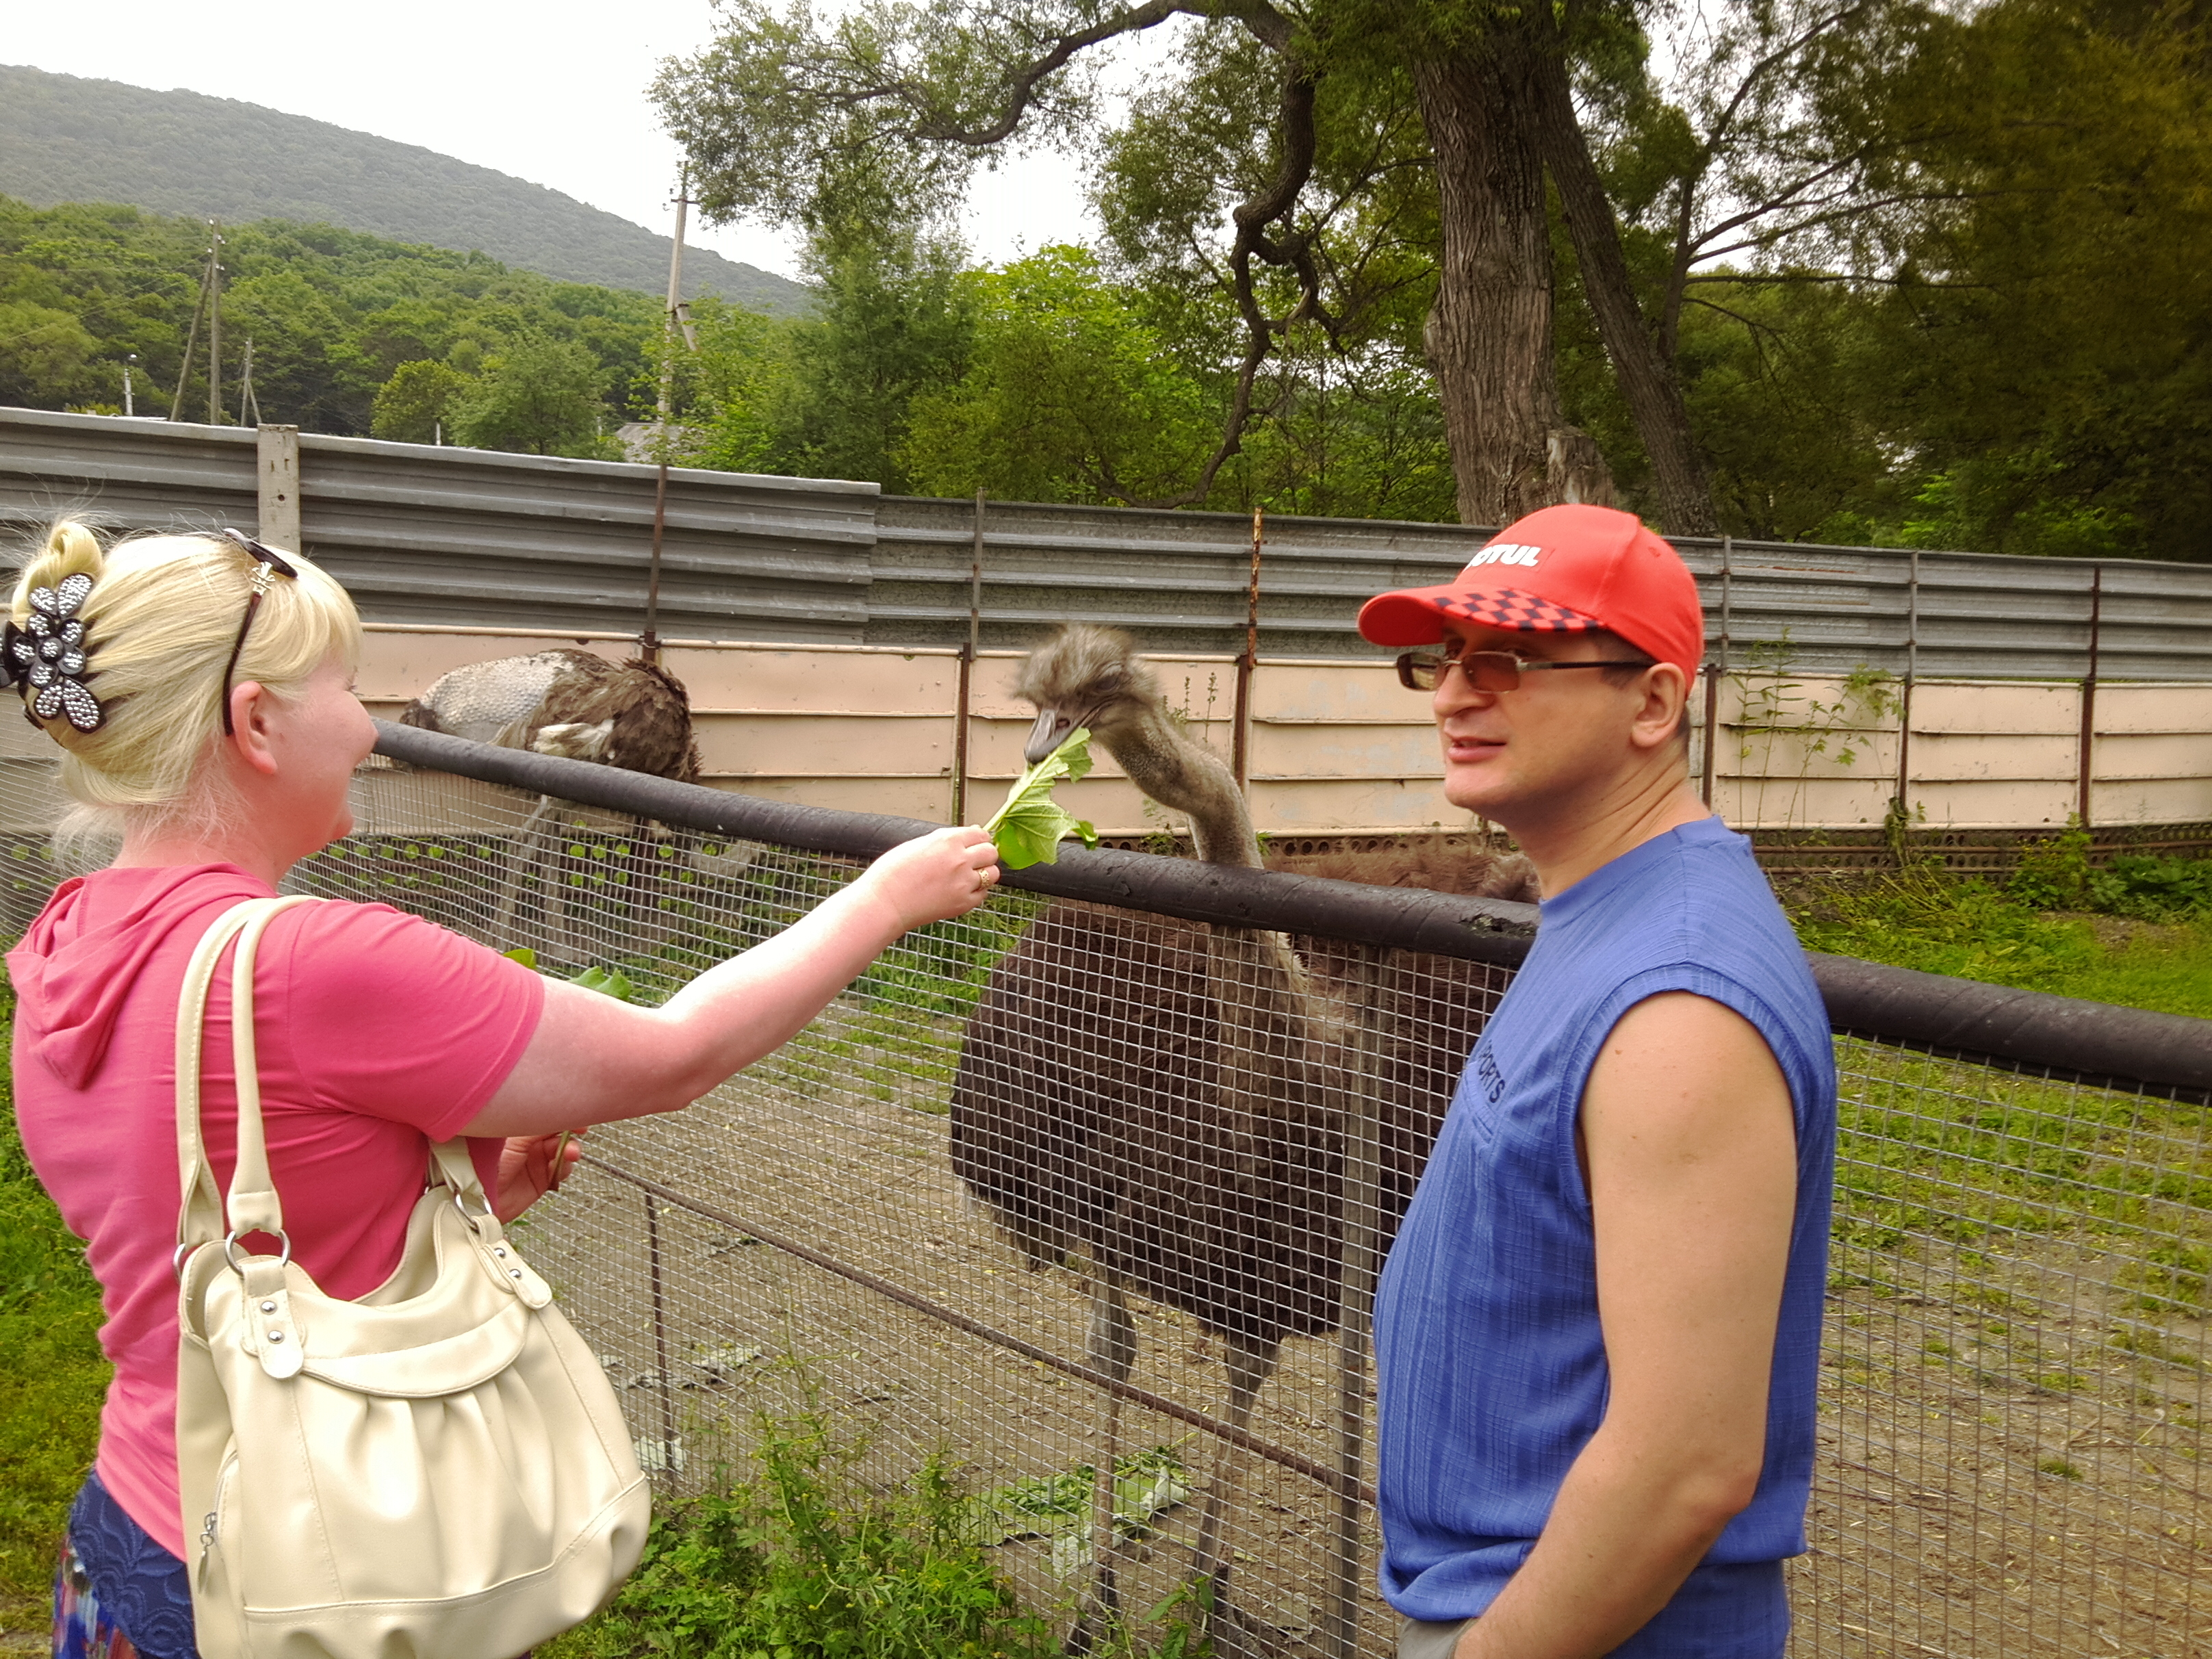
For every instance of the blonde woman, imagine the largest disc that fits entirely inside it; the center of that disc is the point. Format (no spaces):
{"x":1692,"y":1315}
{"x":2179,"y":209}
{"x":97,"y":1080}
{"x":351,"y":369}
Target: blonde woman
{"x":200,"y":688}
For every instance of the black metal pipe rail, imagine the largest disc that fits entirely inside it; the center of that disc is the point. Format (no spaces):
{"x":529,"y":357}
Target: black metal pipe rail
{"x":2060,"y":1038}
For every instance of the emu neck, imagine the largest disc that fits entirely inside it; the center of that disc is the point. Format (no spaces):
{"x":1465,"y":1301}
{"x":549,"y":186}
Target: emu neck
{"x":1179,"y":774}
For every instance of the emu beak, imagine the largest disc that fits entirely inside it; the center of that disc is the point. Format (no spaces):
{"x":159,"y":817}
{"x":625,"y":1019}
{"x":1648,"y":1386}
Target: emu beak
{"x":1050,"y":731}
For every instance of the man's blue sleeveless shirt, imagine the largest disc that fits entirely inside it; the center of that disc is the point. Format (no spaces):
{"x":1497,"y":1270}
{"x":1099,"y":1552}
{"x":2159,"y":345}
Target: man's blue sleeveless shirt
{"x":1489,"y":1358}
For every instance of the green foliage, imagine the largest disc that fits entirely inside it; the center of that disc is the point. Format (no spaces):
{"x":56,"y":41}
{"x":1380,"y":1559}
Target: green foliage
{"x":417,"y":404}
{"x":2056,"y":874}
{"x":333,"y":315}
{"x":734,"y":389}
{"x":1068,"y":395}
{"x":1029,"y":825}
{"x":806,"y":1562}
{"x":1925,"y":919}
{"x":608,"y":981}
{"x":539,"y":396}
{"x":41,"y":347}
{"x":894,"y":323}
{"x":52,"y":1374}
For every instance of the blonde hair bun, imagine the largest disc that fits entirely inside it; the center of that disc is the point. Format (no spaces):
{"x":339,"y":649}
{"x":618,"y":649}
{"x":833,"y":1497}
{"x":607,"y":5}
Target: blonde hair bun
{"x":160,"y":622}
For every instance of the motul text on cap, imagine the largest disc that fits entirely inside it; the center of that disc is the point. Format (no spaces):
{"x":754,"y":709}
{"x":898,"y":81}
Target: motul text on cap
{"x":1564,"y":570}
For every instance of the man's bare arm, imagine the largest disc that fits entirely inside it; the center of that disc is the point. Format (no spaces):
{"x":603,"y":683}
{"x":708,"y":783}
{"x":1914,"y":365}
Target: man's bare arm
{"x":1690,"y":1151}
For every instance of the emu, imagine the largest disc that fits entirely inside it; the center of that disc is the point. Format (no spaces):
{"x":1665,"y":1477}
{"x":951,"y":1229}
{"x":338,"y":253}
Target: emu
{"x":1163,"y":1099}
{"x":634,"y":715}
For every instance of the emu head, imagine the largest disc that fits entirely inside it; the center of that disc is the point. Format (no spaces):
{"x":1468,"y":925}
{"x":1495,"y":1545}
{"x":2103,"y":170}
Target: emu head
{"x":1090,"y":676}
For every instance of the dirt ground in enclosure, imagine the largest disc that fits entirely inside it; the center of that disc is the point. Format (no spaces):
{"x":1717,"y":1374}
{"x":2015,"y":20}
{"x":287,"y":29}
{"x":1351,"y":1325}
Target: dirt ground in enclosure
{"x":1996,"y":1479}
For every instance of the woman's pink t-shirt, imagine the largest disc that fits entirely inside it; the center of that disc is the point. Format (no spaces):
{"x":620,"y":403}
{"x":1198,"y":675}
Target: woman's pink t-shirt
{"x":377,"y":1032}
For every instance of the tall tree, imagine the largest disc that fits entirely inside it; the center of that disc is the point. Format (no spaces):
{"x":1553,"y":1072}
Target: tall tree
{"x":779,"y":102}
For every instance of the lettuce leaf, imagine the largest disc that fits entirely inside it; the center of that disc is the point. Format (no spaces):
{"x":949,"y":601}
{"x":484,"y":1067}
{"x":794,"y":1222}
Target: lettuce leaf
{"x":1028,"y":829}
{"x":609,"y":982}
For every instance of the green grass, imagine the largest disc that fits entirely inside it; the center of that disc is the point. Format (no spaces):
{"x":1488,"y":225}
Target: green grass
{"x":806,"y":1562}
{"x":2138,"y":933}
{"x":1936,"y":1149}
{"x":52,"y":1374}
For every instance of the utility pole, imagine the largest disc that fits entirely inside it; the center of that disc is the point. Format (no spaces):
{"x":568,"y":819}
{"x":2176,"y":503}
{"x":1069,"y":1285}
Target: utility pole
{"x":192,"y":334}
{"x":215,"y":323}
{"x":680,"y":311}
{"x":249,"y":406}
{"x":129,"y":408}
{"x":678,"y":325}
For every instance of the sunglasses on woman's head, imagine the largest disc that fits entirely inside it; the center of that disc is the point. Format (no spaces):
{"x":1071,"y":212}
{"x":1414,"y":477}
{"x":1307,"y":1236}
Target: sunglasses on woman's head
{"x":268,"y":565}
{"x":1486,"y":670}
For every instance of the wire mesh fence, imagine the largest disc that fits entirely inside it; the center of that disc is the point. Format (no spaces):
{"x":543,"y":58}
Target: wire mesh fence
{"x":1082,"y":1204}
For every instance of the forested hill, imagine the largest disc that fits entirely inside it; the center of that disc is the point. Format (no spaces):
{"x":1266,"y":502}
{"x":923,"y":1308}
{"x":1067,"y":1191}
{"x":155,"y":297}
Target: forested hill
{"x":329,"y":317}
{"x":67,"y":139}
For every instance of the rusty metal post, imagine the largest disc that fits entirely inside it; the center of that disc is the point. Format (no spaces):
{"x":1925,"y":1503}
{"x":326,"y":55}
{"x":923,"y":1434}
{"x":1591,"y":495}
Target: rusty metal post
{"x":968,"y":668}
{"x":1902,"y":811}
{"x":1714,"y":672}
{"x":1712,"y":714}
{"x":648,"y":642}
{"x":660,"y":1335}
{"x":2089,"y":691}
{"x":1242,"y":742}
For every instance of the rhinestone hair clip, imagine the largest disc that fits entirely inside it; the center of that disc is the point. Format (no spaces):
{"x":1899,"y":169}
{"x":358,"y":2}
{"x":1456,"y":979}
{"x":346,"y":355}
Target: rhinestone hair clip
{"x":45,"y":657}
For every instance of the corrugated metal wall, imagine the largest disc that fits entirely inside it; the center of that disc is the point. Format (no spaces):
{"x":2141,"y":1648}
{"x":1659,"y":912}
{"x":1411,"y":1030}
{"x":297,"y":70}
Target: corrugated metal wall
{"x":467,"y":537}
{"x":1339,"y":748}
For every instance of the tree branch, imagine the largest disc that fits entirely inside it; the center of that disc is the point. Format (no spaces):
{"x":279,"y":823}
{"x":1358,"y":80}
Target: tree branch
{"x":1022,"y":91}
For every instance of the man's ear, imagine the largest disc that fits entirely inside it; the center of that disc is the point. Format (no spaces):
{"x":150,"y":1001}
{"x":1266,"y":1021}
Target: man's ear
{"x":1665,"y":693}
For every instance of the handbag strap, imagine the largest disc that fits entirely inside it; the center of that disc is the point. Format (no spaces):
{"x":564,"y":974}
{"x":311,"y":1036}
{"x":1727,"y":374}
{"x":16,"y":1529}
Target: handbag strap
{"x":201,"y":1215}
{"x":253,"y":1204}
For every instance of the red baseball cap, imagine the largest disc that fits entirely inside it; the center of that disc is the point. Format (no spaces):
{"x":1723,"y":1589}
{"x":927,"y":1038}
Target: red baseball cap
{"x":1561,"y":570}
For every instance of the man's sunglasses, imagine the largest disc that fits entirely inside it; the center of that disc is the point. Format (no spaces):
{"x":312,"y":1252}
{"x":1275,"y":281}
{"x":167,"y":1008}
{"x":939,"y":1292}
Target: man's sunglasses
{"x":1488,"y":670}
{"x":268,"y":564}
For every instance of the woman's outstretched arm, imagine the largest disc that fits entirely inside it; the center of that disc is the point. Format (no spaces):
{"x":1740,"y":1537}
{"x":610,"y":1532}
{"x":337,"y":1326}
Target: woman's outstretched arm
{"x":594,"y":1059}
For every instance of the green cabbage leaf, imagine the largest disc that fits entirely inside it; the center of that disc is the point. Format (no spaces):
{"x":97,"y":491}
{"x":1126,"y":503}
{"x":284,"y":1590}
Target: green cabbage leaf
{"x":1028,"y":829}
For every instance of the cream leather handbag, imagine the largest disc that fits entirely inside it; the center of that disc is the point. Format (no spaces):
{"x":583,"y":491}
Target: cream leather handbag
{"x":437,"y":1470}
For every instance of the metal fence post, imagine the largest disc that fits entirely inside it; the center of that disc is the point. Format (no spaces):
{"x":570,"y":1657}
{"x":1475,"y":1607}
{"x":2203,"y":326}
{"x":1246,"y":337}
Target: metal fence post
{"x":660,"y":1335}
{"x":968,"y":669}
{"x":276,"y":470}
{"x":1902,"y":812}
{"x":1360,"y":1228}
{"x":648,"y":642}
{"x":1241,"y":742}
{"x":2089,"y":692}
{"x":1714,"y":670}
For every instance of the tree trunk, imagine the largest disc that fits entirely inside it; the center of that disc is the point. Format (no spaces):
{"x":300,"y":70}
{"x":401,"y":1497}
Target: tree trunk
{"x":1646,"y":374}
{"x":1489,"y":338}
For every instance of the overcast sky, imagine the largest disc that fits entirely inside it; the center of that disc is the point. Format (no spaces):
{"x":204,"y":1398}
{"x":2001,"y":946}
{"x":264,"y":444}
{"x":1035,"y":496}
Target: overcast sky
{"x":554,"y":93}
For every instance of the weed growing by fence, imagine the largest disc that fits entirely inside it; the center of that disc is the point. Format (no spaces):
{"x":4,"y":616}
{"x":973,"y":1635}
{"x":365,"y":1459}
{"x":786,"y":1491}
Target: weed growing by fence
{"x":1776,"y":709}
{"x":2056,"y":875}
{"x":806,"y":1562}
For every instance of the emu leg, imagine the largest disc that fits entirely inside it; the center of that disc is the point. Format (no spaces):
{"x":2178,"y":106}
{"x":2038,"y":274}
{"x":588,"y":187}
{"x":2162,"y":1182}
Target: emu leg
{"x":1251,"y":1363}
{"x":510,"y":885}
{"x":1112,"y":1348}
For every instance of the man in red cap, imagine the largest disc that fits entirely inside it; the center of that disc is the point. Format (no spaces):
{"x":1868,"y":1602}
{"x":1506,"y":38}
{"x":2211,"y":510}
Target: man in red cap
{"x":1597,"y":1334}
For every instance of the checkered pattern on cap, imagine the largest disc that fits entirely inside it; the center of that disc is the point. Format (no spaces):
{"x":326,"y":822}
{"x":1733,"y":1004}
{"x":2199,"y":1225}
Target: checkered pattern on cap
{"x":1509,"y":607}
